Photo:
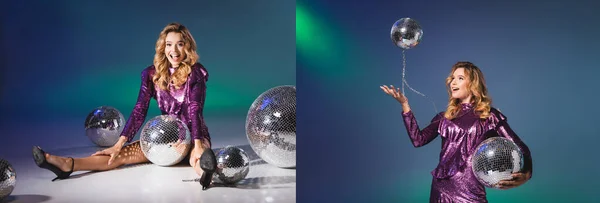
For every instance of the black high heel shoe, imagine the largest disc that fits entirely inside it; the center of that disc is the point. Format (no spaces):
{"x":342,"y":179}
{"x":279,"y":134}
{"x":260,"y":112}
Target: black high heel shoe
{"x":208,"y":163}
{"x":39,"y":156}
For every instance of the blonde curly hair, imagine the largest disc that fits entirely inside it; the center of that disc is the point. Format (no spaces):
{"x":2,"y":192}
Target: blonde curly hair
{"x":479,"y":94}
{"x":162,"y":77}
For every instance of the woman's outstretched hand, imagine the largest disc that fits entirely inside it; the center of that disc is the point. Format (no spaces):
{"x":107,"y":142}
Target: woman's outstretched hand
{"x":394,"y":92}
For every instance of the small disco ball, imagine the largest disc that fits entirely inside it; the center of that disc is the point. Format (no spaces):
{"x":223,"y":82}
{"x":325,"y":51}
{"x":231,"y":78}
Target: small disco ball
{"x":495,"y":160}
{"x":233,"y":165}
{"x":271,"y":126}
{"x":406,"y":33}
{"x":104,"y":126}
{"x":165,"y":140}
{"x":8,"y":179}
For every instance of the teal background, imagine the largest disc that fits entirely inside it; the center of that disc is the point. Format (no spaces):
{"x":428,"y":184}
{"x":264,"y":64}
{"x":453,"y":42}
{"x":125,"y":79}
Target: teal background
{"x":540,"y":59}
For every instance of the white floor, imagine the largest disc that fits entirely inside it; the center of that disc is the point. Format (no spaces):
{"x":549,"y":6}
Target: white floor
{"x":139,"y":183}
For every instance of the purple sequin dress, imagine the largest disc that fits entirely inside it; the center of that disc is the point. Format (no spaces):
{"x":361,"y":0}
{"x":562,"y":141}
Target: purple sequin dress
{"x":185,"y":103}
{"x":453,"y":179}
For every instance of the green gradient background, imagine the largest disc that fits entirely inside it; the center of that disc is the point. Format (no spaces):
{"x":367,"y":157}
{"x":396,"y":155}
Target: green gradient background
{"x":541,"y":71}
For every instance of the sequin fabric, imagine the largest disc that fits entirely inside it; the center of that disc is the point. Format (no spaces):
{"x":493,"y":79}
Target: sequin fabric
{"x":186,"y":103}
{"x":453,"y":179}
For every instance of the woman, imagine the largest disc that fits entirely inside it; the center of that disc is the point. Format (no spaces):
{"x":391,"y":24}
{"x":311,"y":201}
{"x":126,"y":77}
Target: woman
{"x":468,"y":120}
{"x":178,"y":83}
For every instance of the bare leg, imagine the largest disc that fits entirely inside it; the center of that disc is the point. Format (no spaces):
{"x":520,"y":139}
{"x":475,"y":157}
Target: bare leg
{"x":130,"y":154}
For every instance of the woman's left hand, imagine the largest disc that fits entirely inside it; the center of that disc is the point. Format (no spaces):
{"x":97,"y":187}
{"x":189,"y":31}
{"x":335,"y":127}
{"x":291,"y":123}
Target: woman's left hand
{"x":194,"y":157}
{"x":518,"y":179}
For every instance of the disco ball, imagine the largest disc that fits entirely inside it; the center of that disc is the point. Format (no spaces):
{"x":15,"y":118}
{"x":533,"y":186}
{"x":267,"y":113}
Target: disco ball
{"x":104,"y":126}
{"x":8,"y":179}
{"x":495,"y":160}
{"x":233,"y":165}
{"x":406,"y":33}
{"x":271,"y":126}
{"x":165,"y":140}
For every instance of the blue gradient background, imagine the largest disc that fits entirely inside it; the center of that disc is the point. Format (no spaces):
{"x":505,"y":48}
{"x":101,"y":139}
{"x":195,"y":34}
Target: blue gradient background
{"x":540,"y":59}
{"x":64,"y":58}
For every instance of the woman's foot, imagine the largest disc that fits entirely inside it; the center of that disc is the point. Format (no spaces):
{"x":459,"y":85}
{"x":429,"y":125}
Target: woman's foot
{"x":63,"y":163}
{"x":62,"y":167}
{"x":208,"y":164}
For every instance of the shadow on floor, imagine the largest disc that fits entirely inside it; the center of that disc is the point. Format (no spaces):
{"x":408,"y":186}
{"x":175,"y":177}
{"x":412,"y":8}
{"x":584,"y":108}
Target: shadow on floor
{"x":25,"y":198}
{"x":272,"y":182}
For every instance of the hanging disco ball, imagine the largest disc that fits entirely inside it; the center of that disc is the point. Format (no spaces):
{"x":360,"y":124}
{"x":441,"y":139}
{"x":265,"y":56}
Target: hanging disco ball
{"x":406,"y":33}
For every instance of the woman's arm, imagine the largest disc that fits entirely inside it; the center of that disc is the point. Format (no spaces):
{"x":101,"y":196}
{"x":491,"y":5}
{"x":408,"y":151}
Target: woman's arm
{"x":417,"y":136}
{"x":197,"y":97}
{"x":504,"y":130}
{"x":140,"y":110}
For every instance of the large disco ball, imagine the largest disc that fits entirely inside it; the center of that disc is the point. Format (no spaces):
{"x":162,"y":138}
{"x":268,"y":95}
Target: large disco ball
{"x":165,"y":140}
{"x":233,"y":165}
{"x":8,"y":179}
{"x":104,"y":126}
{"x":271,"y":126}
{"x":496,"y":159}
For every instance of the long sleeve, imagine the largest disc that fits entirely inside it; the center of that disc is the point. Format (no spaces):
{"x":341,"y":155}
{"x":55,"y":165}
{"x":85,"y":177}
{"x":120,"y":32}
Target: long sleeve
{"x":504,"y":130}
{"x":138,"y":115}
{"x":196,"y":105}
{"x":417,"y":136}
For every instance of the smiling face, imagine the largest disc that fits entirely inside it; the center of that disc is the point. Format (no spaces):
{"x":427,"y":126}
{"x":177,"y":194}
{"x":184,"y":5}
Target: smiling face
{"x":174,"y":48}
{"x":459,"y":86}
